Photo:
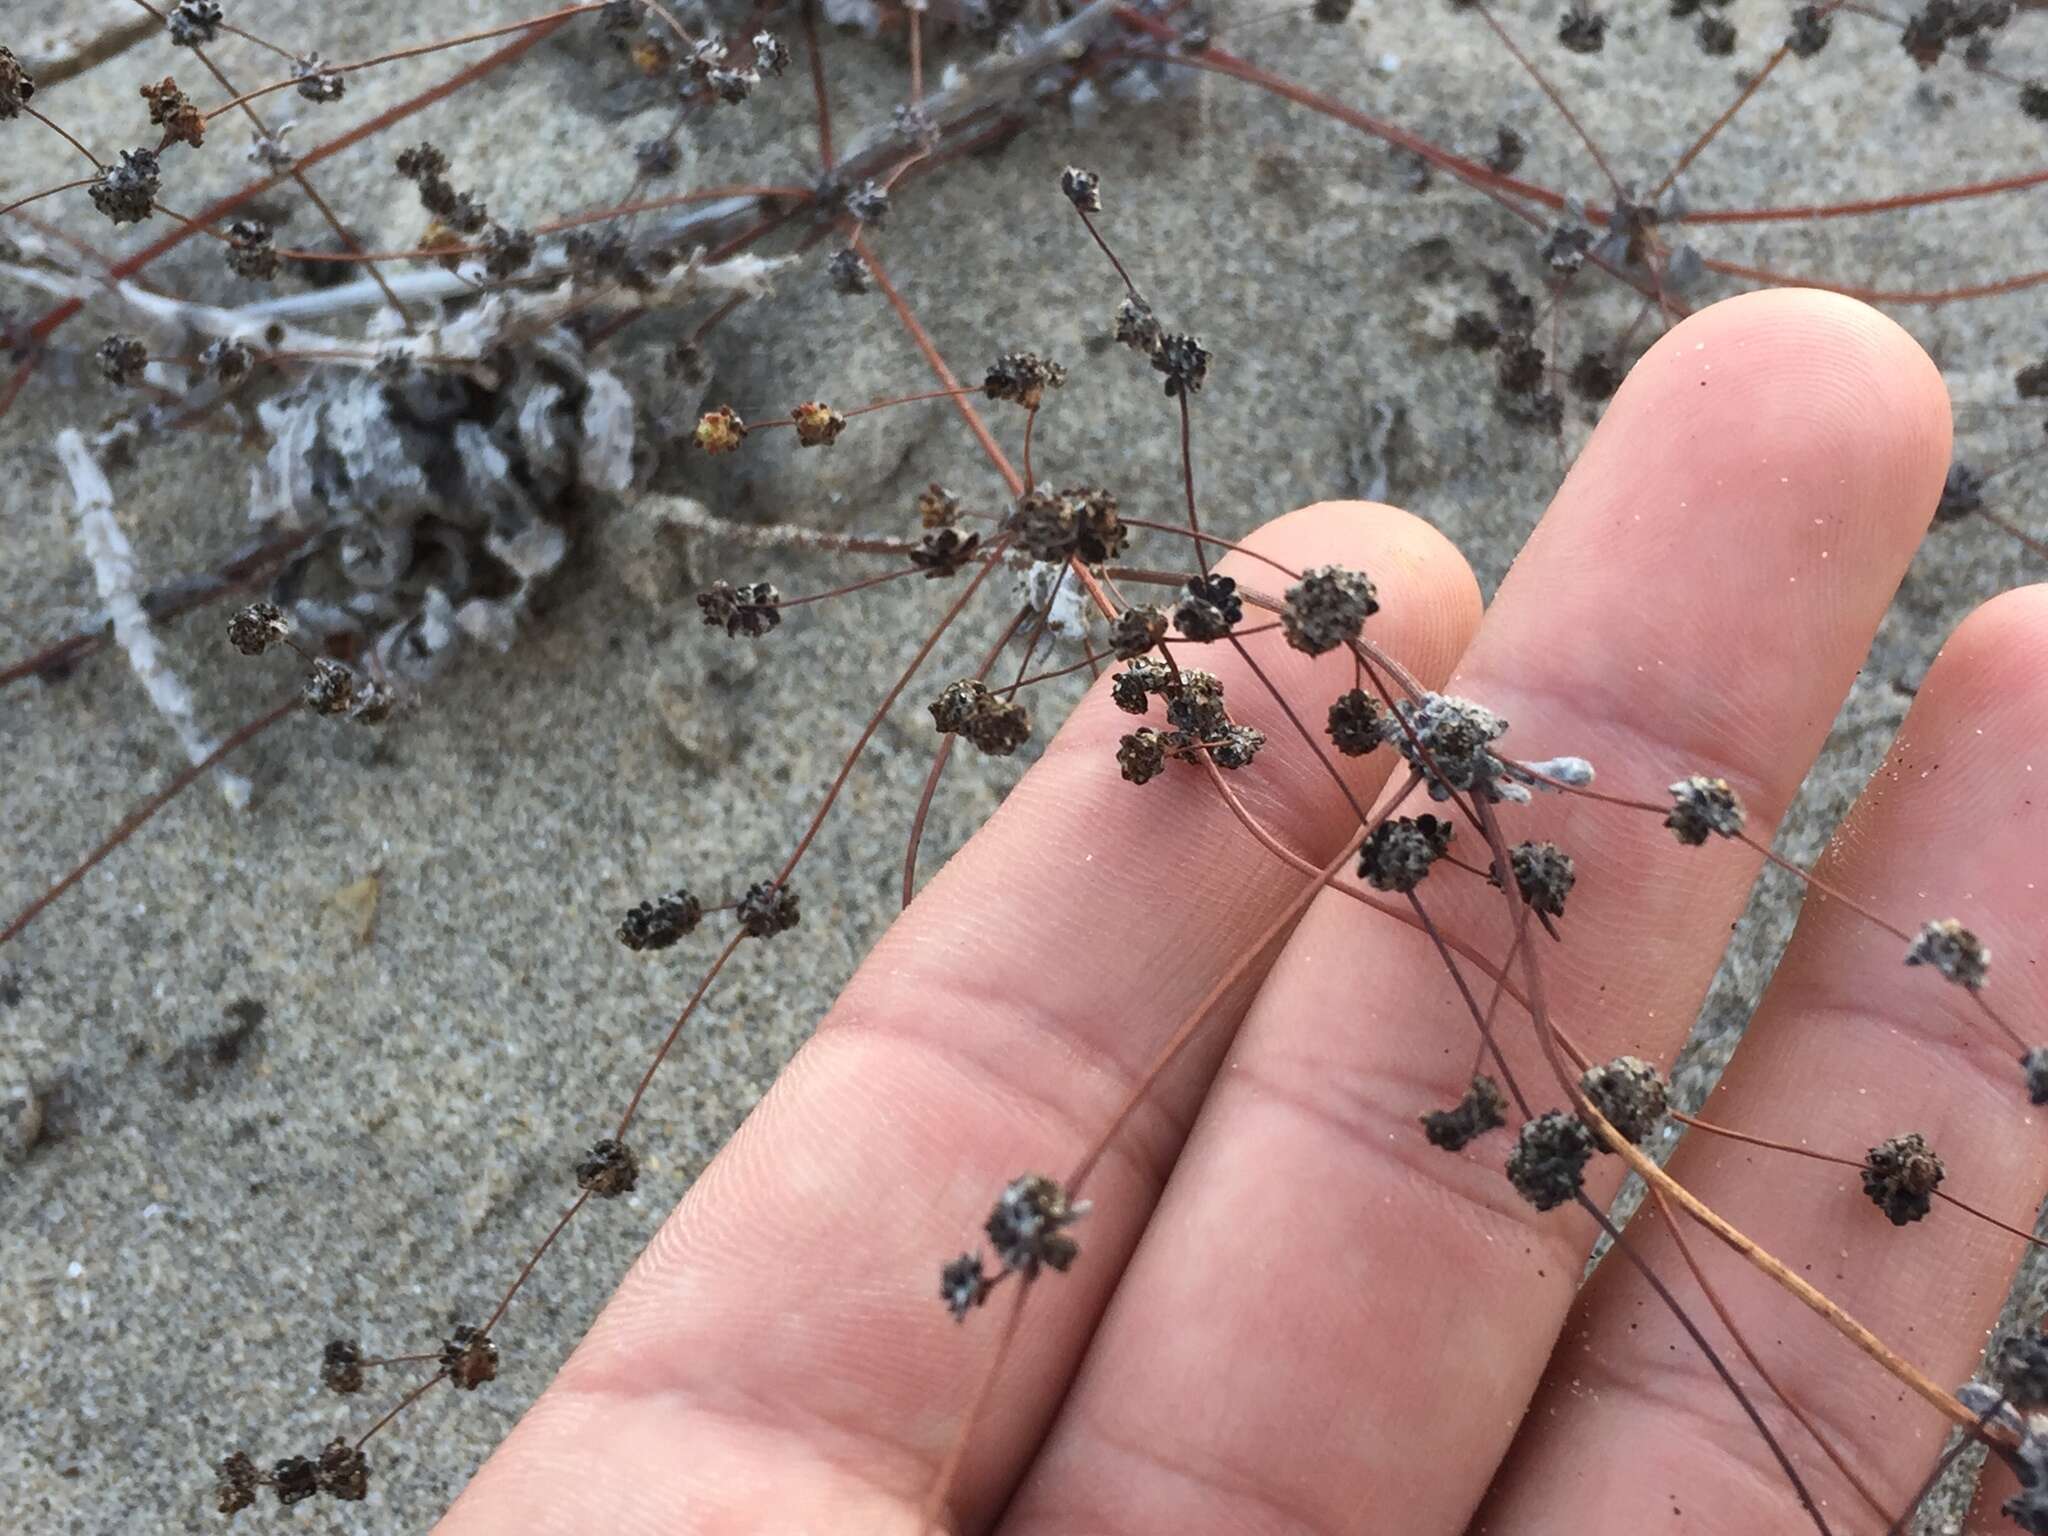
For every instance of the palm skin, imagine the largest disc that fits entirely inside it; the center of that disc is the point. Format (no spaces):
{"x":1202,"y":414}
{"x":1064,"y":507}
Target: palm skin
{"x":1290,"y":1312}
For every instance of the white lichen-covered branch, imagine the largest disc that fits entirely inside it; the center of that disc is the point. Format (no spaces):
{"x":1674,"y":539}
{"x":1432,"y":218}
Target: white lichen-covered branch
{"x":114,"y":573}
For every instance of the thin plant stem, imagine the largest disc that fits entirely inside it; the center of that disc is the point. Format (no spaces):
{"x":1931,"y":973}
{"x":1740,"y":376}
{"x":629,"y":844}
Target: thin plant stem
{"x":1841,"y":1462}
{"x":413,"y":52}
{"x":401,"y":1405}
{"x":526,"y":1269}
{"x":1543,"y":84}
{"x":938,"y":767}
{"x":675,"y":1029}
{"x":240,"y":737}
{"x":65,"y":135}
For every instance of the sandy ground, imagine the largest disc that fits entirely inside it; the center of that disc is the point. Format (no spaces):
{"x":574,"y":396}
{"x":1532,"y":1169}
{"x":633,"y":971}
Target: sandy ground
{"x":239,"y":1126}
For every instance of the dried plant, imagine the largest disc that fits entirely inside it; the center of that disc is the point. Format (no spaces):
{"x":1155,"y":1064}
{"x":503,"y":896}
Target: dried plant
{"x":1314,"y":840}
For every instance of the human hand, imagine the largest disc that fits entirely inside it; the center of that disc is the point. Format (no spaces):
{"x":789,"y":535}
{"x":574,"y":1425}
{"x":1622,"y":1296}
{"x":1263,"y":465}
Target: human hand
{"x":1290,"y":1311}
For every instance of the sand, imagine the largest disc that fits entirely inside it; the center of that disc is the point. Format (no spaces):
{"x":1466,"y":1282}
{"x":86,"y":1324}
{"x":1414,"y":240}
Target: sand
{"x":320,"y":1066}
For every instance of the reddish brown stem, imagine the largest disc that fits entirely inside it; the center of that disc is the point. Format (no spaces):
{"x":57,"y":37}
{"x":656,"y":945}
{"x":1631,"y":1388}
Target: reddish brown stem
{"x":945,"y":376}
{"x":822,"y":95}
{"x":674,"y":1030}
{"x":129,"y":266}
{"x":410,"y":53}
{"x":135,"y":819}
{"x":401,"y":1405}
{"x":939,"y":759}
{"x":533,"y":1260}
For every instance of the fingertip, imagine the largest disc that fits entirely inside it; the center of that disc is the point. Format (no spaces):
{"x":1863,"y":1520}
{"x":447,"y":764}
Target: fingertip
{"x":1991,"y":675}
{"x":1815,"y":387}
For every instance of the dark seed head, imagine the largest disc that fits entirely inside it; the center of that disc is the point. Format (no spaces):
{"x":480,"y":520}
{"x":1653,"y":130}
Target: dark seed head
{"x":226,"y":360}
{"x":1953,"y":950}
{"x":1356,"y":723}
{"x":1210,"y":608}
{"x":254,"y":629}
{"x":1703,"y":806}
{"x":470,"y":1357}
{"x":1509,"y":150}
{"x":1398,"y":854}
{"x":1327,"y":608}
{"x":341,"y":1366}
{"x":1448,"y":740}
{"x":1548,"y":1165}
{"x":295,"y":1479}
{"x":1083,"y":188}
{"x":751,"y":609}
{"x":1901,"y":1175}
{"x":661,"y":921}
{"x":1594,"y":376}
{"x":2035,"y":1065}
{"x":963,"y":1286}
{"x":847,"y":271}
{"x":330,"y":687}
{"x":1000,"y":728}
{"x":507,"y":251}
{"x":344,"y":1472}
{"x":1544,"y":875}
{"x":317,"y":82}
{"x":768,"y":909}
{"x":1521,"y":366}
{"x":609,"y":1169}
{"x":1141,"y":756}
{"x":1582,"y":30}
{"x":1132,"y":688}
{"x":869,"y":202}
{"x":235,"y":1481}
{"x":1565,"y":248}
{"x":1184,"y":361}
{"x":122,"y":360}
{"x":125,"y":191}
{"x":1811,"y":27}
{"x":1022,"y":378}
{"x":172,"y":110}
{"x":194,"y":22}
{"x":1194,"y":701}
{"x":1136,"y":631}
{"x":421,"y":163}
{"x":771,"y":55}
{"x":1482,"y":1109}
{"x":251,"y":254}
{"x":959,"y":702}
{"x":655,"y":158}
{"x":1137,"y":327}
{"x":1961,"y":494}
{"x":17,"y":86}
{"x":1026,"y":1224}
{"x":945,"y":552}
{"x":1239,"y":745}
{"x":1629,"y":1095}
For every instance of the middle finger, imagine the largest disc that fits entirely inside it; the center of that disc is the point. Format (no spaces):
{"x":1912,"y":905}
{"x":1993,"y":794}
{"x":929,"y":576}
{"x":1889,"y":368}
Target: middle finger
{"x":1328,"y":1319}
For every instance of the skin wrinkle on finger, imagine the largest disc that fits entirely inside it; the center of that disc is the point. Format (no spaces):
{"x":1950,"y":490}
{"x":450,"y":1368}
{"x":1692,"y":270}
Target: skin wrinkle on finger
{"x":1673,"y":543}
{"x":804,"y":1261}
{"x":1847,"y":1048}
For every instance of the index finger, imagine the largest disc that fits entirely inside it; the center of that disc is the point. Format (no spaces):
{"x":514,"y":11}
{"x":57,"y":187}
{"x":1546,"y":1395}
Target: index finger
{"x":781,"y":1338}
